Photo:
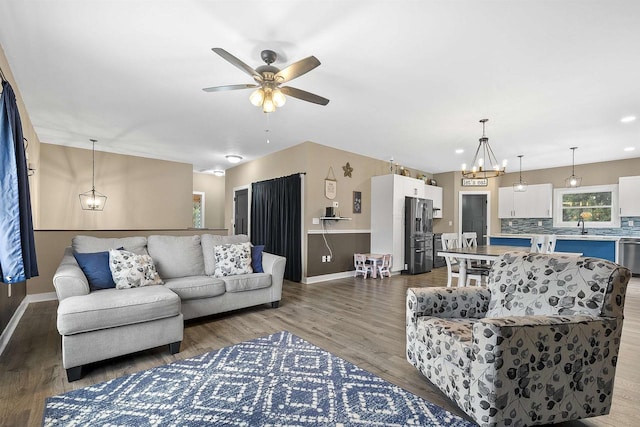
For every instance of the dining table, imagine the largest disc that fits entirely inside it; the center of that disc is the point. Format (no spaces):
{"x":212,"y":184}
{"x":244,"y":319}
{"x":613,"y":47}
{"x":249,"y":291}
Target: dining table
{"x":486,"y":253}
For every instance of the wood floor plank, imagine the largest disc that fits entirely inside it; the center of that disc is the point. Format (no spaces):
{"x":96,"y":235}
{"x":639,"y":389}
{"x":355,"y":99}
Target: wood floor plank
{"x":360,"y":320}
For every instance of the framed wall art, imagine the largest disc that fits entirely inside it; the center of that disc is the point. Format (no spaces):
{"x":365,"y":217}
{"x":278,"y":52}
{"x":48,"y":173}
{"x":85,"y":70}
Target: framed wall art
{"x":357,"y":202}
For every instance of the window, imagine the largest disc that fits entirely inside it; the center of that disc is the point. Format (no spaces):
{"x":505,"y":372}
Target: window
{"x":198,"y":209}
{"x":596,"y":205}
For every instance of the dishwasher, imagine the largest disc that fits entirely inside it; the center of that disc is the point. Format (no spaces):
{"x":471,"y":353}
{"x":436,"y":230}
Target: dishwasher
{"x":629,"y":255}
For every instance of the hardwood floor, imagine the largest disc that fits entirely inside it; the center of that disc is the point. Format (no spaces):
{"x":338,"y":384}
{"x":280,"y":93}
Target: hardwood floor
{"x":360,"y":320}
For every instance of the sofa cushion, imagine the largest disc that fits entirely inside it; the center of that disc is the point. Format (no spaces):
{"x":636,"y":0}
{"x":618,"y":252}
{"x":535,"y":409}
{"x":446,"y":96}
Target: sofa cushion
{"x":523,"y":284}
{"x":196,"y":287}
{"x":110,"y":308}
{"x":210,"y":241}
{"x":95,"y":267}
{"x":132,"y":271}
{"x":247,"y":282}
{"x":232,"y":259}
{"x":176,"y":256}
{"x":86,"y":244}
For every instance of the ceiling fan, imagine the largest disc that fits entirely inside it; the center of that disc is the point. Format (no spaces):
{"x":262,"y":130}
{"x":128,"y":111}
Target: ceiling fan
{"x":269,"y":94}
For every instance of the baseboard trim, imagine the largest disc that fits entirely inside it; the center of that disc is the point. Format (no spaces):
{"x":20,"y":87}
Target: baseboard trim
{"x":327,"y":277}
{"x":17,"y":315}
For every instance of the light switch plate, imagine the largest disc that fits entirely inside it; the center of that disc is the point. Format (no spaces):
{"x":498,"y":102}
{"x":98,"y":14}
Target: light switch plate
{"x":335,"y":204}
{"x":315,"y":221}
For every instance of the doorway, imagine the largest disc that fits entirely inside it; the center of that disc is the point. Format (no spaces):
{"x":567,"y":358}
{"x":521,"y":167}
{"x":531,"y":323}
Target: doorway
{"x":241,"y":211}
{"x":474,"y":214}
{"x":198,"y":209}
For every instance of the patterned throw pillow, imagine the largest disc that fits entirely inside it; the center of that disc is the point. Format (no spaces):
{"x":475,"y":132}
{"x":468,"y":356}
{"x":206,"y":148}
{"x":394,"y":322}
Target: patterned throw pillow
{"x":232,"y":259}
{"x":131,"y":271}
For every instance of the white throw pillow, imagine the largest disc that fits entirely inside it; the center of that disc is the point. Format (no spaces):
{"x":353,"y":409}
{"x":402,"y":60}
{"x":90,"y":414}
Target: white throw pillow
{"x":232,"y":259}
{"x":131,"y":271}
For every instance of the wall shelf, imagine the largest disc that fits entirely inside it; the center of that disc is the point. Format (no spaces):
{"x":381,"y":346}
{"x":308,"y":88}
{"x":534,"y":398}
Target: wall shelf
{"x":334,"y":218}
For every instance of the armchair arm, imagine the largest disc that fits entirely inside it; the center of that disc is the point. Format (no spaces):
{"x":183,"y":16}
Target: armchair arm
{"x":447,"y":302}
{"x":69,"y":280}
{"x":534,"y":366}
{"x":274,"y":265}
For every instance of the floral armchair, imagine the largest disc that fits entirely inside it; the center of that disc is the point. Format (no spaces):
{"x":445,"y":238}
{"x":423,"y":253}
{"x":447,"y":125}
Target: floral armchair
{"x":538,"y":345}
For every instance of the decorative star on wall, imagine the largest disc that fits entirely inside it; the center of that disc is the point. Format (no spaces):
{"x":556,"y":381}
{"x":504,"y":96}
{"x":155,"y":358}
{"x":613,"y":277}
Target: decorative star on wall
{"x":347,"y":170}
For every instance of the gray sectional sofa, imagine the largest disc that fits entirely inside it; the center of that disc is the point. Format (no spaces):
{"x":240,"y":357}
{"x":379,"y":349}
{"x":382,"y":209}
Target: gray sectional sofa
{"x":97,"y":324}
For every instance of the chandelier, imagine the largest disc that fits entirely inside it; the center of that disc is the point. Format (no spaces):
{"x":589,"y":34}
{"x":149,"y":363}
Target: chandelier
{"x":573,"y":181}
{"x":484,"y":163}
{"x":92,"y":200}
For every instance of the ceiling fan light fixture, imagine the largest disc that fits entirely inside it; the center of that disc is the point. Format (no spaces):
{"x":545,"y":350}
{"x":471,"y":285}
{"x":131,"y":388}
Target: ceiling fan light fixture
{"x":268,"y":106}
{"x":278,"y":98}
{"x":257,"y":97}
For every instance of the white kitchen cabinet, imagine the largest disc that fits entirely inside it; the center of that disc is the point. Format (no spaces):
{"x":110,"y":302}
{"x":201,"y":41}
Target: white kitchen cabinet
{"x":434,"y":193}
{"x":628,"y":200}
{"x":536,"y":202}
{"x":388,"y":194}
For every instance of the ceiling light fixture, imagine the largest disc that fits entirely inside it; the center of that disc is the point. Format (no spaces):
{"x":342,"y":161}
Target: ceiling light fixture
{"x":92,"y":200}
{"x":520,"y":186}
{"x":233,"y":158}
{"x":484,"y":163}
{"x":573,"y":181}
{"x":459,"y":151}
{"x":629,"y":149}
{"x":628,"y":119}
{"x":218,"y":172}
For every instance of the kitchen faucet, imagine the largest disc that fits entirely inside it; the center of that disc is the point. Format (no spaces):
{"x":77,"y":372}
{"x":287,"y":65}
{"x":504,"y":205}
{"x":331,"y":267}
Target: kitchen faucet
{"x":581,"y":221}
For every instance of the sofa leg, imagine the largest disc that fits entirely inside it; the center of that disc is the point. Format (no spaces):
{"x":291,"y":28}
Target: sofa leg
{"x":275,"y":304}
{"x":174,"y":347}
{"x":74,"y":374}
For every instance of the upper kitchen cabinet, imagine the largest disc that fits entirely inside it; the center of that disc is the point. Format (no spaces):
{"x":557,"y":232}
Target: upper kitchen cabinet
{"x":536,"y":202}
{"x":434,"y":193}
{"x":628,"y":200}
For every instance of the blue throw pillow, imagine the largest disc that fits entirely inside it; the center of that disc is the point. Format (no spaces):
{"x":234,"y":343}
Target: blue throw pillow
{"x":96,"y":267}
{"x":256,"y":258}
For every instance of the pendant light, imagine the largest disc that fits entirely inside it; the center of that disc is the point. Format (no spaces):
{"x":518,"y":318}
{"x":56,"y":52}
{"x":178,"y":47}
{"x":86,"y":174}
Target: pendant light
{"x":520,"y":186}
{"x":573,"y":181}
{"x":92,"y":200}
{"x":484,"y":163}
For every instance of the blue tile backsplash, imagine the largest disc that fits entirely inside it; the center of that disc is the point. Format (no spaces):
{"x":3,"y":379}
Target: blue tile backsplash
{"x":530,"y":226}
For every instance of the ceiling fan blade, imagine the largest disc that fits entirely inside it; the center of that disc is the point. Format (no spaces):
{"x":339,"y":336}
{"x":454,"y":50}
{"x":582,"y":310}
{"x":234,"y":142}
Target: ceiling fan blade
{"x":297,"y":69}
{"x":238,"y":63}
{"x":304,"y":95}
{"x":229,"y":87}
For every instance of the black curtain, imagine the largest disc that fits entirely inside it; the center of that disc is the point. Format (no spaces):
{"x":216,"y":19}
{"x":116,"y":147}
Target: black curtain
{"x":276,"y":218}
{"x":17,"y":247}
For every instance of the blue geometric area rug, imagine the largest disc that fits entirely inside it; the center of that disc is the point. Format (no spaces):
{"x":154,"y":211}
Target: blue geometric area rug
{"x":278,"y":380}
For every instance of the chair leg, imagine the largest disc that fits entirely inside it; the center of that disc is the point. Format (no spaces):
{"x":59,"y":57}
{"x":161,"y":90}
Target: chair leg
{"x":74,"y":374}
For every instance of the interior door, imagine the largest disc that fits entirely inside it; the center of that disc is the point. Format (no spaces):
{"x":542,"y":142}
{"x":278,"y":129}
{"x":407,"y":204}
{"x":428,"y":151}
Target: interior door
{"x":241,"y":218}
{"x":474,"y":215}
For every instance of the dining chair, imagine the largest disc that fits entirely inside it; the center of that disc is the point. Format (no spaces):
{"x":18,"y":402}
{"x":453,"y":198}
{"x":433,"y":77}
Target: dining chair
{"x":543,"y":243}
{"x":452,"y":241}
{"x":360,"y":263}
{"x":470,"y":240}
{"x":384,"y":268}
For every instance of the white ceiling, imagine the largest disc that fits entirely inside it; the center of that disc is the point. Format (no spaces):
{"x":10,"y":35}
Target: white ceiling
{"x":406,"y":79}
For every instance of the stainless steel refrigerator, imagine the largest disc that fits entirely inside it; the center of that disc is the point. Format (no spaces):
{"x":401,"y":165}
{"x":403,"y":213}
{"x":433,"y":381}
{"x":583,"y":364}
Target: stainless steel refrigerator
{"x":418,"y":232}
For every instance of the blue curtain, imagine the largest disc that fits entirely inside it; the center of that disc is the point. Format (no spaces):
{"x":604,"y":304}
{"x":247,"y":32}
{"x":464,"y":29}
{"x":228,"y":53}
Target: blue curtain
{"x":276,"y":220}
{"x":17,"y":247}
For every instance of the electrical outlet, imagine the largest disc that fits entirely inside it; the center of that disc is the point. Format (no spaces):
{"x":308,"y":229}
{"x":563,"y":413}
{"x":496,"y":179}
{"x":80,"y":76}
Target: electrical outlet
{"x":328,"y":258}
{"x":539,"y":223}
{"x":324,"y":258}
{"x":630,"y":223}
{"x":335,"y":204}
{"x":510,"y":223}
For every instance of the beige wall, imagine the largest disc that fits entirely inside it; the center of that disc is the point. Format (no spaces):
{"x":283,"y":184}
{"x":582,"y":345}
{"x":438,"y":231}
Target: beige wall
{"x":142,"y":193}
{"x":213,"y":188}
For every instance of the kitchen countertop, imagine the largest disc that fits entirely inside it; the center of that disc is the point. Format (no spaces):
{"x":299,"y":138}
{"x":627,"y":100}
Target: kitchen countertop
{"x":565,"y":237}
